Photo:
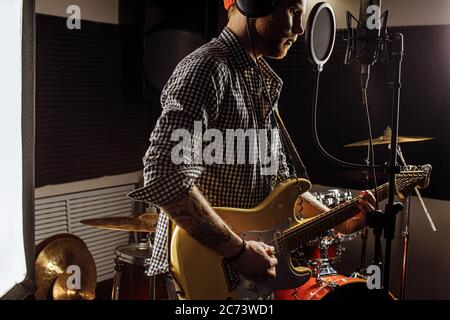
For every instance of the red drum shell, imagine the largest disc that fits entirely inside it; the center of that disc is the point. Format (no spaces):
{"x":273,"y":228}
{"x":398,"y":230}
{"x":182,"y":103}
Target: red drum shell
{"x":345,"y":289}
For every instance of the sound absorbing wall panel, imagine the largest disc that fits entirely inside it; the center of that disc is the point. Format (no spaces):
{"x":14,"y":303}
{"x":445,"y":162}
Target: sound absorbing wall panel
{"x":84,"y":127}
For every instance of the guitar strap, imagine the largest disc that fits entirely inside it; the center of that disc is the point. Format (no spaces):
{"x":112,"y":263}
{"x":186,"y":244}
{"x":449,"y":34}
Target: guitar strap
{"x":288,"y":146}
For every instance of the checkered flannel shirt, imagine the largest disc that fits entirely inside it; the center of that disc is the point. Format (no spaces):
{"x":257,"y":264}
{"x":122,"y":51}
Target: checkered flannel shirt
{"x":217,"y":84}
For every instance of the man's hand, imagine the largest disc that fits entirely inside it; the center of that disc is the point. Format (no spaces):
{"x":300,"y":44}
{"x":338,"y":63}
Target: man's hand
{"x":365,"y":204}
{"x":194,"y":214}
{"x":258,"y":262}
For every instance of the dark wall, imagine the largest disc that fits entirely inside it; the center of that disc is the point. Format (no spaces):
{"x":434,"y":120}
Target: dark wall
{"x":85,"y":127}
{"x":92,"y":121}
{"x":424,"y":106}
{"x":92,"y":118}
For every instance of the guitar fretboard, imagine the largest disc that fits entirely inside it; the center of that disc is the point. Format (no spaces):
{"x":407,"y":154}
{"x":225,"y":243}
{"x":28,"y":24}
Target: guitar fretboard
{"x":292,"y":238}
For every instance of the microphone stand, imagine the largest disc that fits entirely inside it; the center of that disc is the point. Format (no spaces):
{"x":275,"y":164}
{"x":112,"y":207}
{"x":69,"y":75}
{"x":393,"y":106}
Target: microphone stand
{"x":406,"y":233}
{"x":392,"y":208}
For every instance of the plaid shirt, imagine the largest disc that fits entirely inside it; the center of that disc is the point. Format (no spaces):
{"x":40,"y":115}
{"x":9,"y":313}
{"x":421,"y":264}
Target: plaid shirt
{"x":217,"y":84}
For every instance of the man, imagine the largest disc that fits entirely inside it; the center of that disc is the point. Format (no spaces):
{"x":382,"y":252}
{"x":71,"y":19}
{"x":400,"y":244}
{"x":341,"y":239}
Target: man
{"x":219,"y":85}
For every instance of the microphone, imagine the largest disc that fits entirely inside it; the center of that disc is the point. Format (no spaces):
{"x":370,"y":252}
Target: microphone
{"x":366,"y":41}
{"x":369,"y":30}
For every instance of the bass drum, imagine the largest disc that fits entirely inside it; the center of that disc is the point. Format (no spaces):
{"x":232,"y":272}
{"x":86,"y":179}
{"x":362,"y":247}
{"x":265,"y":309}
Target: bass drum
{"x":334,"y":287}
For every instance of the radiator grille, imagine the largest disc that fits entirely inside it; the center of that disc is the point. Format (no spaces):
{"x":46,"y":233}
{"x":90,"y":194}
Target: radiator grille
{"x":63,"y":213}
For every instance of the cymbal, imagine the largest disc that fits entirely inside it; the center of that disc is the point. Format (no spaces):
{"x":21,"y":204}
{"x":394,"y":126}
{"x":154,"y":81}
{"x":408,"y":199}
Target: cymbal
{"x":54,"y":256}
{"x":146,"y":222}
{"x":61,"y":291}
{"x":386,"y":139}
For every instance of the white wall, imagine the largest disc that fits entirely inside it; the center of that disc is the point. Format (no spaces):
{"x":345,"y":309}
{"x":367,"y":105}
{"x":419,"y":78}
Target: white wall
{"x":12,"y":255}
{"x":93,"y":10}
{"x":401,"y":12}
{"x":417,"y":12}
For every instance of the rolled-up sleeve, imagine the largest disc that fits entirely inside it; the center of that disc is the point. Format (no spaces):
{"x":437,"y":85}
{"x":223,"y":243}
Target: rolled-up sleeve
{"x":193,"y":93}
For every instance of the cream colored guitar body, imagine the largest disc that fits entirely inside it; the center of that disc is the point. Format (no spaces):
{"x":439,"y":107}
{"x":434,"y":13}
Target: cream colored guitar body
{"x":201,"y":274}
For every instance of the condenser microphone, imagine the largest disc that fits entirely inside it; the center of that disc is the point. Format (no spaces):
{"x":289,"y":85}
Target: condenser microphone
{"x":369,"y":32}
{"x":367,"y":41}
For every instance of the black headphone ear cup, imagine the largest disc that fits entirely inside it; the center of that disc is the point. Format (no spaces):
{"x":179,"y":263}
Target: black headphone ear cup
{"x":255,"y":8}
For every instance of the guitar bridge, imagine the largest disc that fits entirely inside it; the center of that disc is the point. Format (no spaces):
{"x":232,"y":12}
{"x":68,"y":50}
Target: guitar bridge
{"x":232,"y":277}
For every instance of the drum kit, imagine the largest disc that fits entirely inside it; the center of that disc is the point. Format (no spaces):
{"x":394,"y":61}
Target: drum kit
{"x":322,"y":254}
{"x":131,"y":281}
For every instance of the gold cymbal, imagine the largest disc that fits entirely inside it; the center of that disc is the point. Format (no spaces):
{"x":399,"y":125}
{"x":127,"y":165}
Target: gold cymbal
{"x":61,"y":291}
{"x":146,"y":222}
{"x":386,"y":139}
{"x":54,"y":256}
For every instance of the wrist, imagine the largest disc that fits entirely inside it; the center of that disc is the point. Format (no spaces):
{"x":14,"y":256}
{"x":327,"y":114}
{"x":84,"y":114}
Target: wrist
{"x":237,"y":254}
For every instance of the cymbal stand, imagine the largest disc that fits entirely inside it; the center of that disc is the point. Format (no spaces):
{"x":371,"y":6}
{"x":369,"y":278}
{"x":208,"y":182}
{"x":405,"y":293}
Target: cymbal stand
{"x":406,"y":233}
{"x":152,"y":279}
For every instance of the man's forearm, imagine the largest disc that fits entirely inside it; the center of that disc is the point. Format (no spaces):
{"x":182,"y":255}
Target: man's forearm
{"x":195,"y":215}
{"x":314,"y":202}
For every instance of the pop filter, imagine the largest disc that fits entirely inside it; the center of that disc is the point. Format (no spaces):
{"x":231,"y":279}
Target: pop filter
{"x":320,"y":34}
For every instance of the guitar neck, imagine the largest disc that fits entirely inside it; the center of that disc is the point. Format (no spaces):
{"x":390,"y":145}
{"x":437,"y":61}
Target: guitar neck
{"x":292,"y":238}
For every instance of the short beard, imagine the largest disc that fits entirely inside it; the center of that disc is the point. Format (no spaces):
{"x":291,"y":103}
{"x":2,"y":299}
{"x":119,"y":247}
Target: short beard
{"x":266,"y":45}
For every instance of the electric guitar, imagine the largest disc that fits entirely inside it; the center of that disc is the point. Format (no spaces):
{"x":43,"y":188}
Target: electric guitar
{"x":200,"y":273}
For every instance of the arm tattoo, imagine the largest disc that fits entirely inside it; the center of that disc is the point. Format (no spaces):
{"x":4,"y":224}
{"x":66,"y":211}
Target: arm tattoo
{"x":194,"y":214}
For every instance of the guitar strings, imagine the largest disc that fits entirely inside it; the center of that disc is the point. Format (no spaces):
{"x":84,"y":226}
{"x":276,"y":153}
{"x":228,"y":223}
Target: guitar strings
{"x":319,"y":219}
{"x":307,"y":226}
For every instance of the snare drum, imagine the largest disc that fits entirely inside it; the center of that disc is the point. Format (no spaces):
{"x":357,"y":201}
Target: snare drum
{"x":324,"y":248}
{"x":130,"y":279}
{"x":334,"y":287}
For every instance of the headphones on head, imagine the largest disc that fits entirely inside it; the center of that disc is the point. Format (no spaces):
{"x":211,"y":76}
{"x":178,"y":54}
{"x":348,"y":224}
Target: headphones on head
{"x":255,"y":8}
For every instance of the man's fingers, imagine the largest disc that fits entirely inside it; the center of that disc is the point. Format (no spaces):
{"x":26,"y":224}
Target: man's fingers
{"x":368,"y":196}
{"x":273,"y":261}
{"x":269,"y":249}
{"x":271,"y":272}
{"x":365,"y":206}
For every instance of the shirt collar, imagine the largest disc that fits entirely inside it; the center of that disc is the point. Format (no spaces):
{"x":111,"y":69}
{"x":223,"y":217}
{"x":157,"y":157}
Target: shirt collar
{"x":244,"y":61}
{"x":241,"y":56}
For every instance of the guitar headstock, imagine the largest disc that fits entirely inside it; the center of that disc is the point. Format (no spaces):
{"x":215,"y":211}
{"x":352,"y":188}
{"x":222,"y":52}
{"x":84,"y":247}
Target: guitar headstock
{"x":411,"y":177}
